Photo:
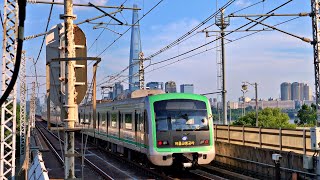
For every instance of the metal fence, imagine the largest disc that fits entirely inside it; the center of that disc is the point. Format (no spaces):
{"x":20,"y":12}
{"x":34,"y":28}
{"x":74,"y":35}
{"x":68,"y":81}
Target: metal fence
{"x":295,"y":140}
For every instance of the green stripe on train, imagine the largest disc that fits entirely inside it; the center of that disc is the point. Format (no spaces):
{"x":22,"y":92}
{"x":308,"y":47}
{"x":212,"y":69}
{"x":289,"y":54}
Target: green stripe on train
{"x":123,"y":140}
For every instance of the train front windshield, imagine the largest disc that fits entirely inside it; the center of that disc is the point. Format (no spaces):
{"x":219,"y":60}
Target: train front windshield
{"x":181,"y":115}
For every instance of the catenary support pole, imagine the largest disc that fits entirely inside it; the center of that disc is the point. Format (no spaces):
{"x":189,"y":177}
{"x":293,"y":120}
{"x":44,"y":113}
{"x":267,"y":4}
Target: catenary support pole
{"x":70,"y":90}
{"x":8,"y":109}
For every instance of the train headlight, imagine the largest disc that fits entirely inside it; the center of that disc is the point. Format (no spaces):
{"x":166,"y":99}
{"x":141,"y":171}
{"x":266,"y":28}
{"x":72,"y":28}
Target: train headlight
{"x":205,"y":141}
{"x":164,"y":143}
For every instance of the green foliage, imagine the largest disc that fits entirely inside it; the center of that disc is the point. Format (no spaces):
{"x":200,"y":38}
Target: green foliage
{"x":307,"y":115}
{"x":268,"y":117}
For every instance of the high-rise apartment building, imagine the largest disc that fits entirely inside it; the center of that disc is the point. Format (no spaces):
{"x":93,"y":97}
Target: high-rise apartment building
{"x":285,"y":89}
{"x":186,"y":88}
{"x":170,"y":87}
{"x":295,"y":91}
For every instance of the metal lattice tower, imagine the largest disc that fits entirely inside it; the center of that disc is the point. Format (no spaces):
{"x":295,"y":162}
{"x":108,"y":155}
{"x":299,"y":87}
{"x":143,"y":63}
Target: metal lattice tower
{"x":316,"y":34}
{"x":23,"y":91}
{"x":32,"y":116}
{"x":8,"y":109}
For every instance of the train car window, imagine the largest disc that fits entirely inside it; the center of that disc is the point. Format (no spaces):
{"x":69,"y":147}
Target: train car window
{"x":128,"y":121}
{"x":114,"y":120}
{"x":145,"y":122}
{"x":87,"y":119}
{"x":136,"y":121}
{"x":103,"y":119}
{"x":141,"y":125}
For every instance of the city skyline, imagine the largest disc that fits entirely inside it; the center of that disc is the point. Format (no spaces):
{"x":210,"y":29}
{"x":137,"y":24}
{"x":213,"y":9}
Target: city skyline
{"x":254,"y":59}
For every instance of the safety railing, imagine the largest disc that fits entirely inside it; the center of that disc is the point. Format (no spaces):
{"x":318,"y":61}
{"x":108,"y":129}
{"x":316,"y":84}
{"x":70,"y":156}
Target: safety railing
{"x":38,"y":170}
{"x":295,"y":140}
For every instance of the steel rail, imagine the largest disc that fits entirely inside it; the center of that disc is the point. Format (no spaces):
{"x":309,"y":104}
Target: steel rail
{"x":91,"y":164}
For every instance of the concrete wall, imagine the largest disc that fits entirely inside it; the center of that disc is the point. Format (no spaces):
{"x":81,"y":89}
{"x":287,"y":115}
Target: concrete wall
{"x":239,"y":157}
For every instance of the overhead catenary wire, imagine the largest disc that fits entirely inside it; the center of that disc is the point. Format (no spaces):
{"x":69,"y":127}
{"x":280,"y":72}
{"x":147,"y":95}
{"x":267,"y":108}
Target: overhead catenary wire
{"x":198,"y":53}
{"x":44,"y":37}
{"x":179,"y":40}
{"x":210,"y":41}
{"x":242,"y":9}
{"x":122,"y":34}
{"x":174,"y":43}
{"x":104,"y":29}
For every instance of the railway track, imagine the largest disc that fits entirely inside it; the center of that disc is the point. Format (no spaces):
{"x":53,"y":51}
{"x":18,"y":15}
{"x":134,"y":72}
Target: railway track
{"x":102,"y":160}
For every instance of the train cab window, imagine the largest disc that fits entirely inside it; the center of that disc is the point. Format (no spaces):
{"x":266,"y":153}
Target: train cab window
{"x":114,"y":120}
{"x":128,"y":121}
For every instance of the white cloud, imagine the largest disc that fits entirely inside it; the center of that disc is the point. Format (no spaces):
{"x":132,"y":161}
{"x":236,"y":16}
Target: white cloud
{"x":243,"y":3}
{"x":268,"y":58}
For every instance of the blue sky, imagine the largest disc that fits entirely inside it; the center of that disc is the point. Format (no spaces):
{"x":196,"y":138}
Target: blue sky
{"x":267,"y":58}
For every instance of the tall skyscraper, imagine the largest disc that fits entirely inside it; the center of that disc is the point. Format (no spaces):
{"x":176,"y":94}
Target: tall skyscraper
{"x":135,"y":49}
{"x":186,"y":88}
{"x":170,"y":87}
{"x":295,"y":91}
{"x":285,"y":91}
{"x":155,"y":85}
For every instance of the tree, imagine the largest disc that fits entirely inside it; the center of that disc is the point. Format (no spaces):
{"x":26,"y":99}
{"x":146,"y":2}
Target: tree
{"x":268,"y":117}
{"x":307,"y":115}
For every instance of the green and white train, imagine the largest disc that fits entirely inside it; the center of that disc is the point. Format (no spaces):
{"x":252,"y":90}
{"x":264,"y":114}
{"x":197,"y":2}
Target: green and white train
{"x":172,"y":128}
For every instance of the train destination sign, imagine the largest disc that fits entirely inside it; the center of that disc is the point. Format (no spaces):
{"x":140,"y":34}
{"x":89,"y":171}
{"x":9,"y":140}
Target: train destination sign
{"x":184,"y":143}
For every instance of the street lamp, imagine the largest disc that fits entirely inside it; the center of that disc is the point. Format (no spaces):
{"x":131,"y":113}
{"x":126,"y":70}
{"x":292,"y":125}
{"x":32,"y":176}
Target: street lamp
{"x":255,"y":85}
{"x":243,"y":90}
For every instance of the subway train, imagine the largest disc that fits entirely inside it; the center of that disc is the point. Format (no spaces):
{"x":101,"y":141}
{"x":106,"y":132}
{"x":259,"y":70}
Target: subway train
{"x":168,"y":128}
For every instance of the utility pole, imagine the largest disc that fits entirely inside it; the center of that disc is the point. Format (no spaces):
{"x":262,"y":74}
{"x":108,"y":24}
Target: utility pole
{"x":32,"y":115}
{"x":315,"y":30}
{"x":256,"y":92}
{"x":70,"y":107}
{"x":8,"y":108}
{"x":222,"y":23}
{"x":23,"y":90}
{"x":141,"y":70}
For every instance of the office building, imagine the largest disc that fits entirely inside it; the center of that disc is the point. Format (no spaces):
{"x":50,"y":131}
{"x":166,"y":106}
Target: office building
{"x":117,"y":90}
{"x":170,"y":87}
{"x":186,"y":88}
{"x":155,"y":85}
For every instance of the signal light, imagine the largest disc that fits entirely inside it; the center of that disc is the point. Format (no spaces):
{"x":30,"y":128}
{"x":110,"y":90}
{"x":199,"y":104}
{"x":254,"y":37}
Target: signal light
{"x":159,"y":143}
